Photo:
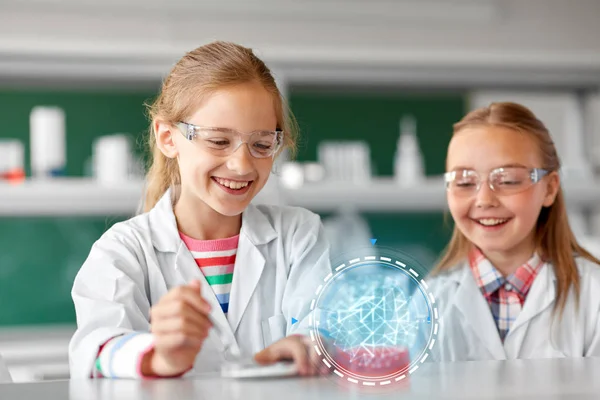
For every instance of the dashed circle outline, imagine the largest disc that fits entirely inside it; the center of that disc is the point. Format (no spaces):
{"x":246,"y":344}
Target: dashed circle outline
{"x":429,"y":298}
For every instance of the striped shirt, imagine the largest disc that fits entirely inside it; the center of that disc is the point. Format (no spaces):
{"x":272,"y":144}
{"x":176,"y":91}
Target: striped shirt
{"x":505,"y":296}
{"x":216,"y":259}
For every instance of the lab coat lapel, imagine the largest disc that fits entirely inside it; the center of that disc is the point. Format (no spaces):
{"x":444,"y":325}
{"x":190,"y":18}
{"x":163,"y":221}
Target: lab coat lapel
{"x":541,"y":295}
{"x":165,"y":237}
{"x":250,"y":261}
{"x":476,"y":314}
{"x":188,"y":270}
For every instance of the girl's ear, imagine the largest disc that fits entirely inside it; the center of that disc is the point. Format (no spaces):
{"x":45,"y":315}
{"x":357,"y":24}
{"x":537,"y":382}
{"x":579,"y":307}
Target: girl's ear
{"x":164,"y":132}
{"x":552,"y":188}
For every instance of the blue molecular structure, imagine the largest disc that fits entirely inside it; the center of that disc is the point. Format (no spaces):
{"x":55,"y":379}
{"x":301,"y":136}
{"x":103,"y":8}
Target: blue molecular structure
{"x":373,"y":314}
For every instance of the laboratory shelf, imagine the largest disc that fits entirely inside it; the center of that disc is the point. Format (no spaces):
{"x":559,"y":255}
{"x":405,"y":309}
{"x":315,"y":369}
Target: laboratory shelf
{"x":69,"y":196}
{"x":378,"y":195}
{"x":83,"y":196}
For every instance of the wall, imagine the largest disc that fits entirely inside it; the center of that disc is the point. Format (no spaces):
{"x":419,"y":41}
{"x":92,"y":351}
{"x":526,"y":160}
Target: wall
{"x":137,"y":40}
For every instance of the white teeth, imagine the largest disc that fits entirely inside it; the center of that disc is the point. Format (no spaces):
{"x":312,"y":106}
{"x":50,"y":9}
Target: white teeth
{"x":491,"y":221}
{"x":236,"y":185}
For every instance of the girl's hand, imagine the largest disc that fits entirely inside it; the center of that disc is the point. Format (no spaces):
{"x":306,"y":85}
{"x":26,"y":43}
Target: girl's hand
{"x":180,"y":324}
{"x":296,"y":348}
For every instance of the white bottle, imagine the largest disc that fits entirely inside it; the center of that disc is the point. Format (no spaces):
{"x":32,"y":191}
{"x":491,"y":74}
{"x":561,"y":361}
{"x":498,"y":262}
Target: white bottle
{"x":48,"y":141}
{"x":112,"y":158}
{"x":409,"y":167}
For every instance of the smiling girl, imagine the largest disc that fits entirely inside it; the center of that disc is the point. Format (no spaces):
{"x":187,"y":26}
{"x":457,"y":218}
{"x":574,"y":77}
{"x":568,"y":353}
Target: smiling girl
{"x":202,"y":256}
{"x":513,"y":281}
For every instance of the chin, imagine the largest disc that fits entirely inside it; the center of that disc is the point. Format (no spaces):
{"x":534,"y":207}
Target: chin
{"x":495,"y":247}
{"x":230,"y":211}
{"x":491,"y":249}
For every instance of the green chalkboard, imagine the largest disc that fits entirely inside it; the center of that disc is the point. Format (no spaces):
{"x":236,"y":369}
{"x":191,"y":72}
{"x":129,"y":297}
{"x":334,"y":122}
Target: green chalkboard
{"x":39,"y":257}
{"x":373,"y":115}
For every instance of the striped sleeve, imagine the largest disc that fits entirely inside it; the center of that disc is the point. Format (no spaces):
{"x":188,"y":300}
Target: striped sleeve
{"x":121,"y":357}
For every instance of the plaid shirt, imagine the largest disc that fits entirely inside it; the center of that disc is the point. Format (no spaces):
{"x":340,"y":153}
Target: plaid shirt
{"x":504,"y":295}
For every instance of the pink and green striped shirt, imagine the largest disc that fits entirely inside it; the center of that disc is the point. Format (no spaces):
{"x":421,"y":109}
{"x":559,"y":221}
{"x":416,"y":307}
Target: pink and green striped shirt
{"x":216,"y":259}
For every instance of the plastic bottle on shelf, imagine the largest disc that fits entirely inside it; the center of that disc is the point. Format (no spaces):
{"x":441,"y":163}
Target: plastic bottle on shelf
{"x":112,"y":158}
{"x":12,"y":164}
{"x":409,"y":167}
{"x":47,"y":141}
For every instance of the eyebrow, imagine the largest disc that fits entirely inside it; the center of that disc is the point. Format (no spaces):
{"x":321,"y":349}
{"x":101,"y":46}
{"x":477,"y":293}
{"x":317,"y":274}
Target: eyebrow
{"x":510,"y":165}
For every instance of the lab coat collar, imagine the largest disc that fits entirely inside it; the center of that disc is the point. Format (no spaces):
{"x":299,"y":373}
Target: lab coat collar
{"x":475,"y":311}
{"x":165,"y":235}
{"x":163,"y":225}
{"x":256,"y":226}
{"x":457,"y":273}
{"x":541,"y":296}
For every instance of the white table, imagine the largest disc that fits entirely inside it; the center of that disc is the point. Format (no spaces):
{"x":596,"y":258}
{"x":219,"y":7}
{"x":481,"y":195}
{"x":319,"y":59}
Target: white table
{"x":521,"y":379}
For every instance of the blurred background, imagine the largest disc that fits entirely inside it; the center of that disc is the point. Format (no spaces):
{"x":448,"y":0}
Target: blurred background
{"x":374,"y":84}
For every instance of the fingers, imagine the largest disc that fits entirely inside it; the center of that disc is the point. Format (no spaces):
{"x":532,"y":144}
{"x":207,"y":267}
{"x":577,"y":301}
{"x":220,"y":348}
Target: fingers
{"x":189,"y":329}
{"x":300,"y":355}
{"x":314,"y":358}
{"x":180,"y":311}
{"x":188,"y":322}
{"x":290,"y":348}
{"x":195,"y":285}
{"x":265,"y":356}
{"x":190,"y":295}
{"x":180,"y":324}
{"x":181,"y":318}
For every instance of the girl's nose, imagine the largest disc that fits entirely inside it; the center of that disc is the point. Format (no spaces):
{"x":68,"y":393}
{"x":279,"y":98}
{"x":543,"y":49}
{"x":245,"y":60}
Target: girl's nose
{"x":485,"y":196}
{"x":241,"y":161}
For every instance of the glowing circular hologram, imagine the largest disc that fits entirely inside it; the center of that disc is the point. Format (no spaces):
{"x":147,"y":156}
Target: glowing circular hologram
{"x":374,"y":320}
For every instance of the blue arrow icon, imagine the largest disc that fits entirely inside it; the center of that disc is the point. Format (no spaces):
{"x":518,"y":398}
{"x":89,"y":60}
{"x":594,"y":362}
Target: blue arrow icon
{"x":294,"y":320}
{"x":373,"y":241}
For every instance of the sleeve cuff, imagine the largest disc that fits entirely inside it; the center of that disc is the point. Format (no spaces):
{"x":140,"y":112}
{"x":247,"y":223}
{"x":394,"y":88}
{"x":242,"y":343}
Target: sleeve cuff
{"x":121,"y":356}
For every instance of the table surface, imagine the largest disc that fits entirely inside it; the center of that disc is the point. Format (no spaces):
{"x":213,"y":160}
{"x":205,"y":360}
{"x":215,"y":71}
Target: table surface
{"x":516,"y":379}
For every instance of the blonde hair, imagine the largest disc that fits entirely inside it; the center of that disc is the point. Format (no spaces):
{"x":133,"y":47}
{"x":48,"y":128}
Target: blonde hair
{"x":196,"y":75}
{"x":554,"y":238}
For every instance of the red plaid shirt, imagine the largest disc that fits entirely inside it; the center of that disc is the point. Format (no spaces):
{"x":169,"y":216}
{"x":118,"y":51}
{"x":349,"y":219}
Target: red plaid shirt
{"x":504,"y":295}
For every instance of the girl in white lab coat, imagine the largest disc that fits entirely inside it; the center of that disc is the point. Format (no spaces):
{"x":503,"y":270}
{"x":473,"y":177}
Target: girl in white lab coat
{"x":513,"y":282}
{"x":203,"y":274}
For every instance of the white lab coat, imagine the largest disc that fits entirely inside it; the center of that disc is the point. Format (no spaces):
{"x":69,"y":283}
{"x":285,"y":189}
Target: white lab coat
{"x":282,"y":258}
{"x":4,"y":374}
{"x":467,"y":330}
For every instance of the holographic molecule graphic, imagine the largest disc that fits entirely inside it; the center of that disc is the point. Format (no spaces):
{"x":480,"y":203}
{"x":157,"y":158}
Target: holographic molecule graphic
{"x":370,"y":315}
{"x":373,"y":320}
